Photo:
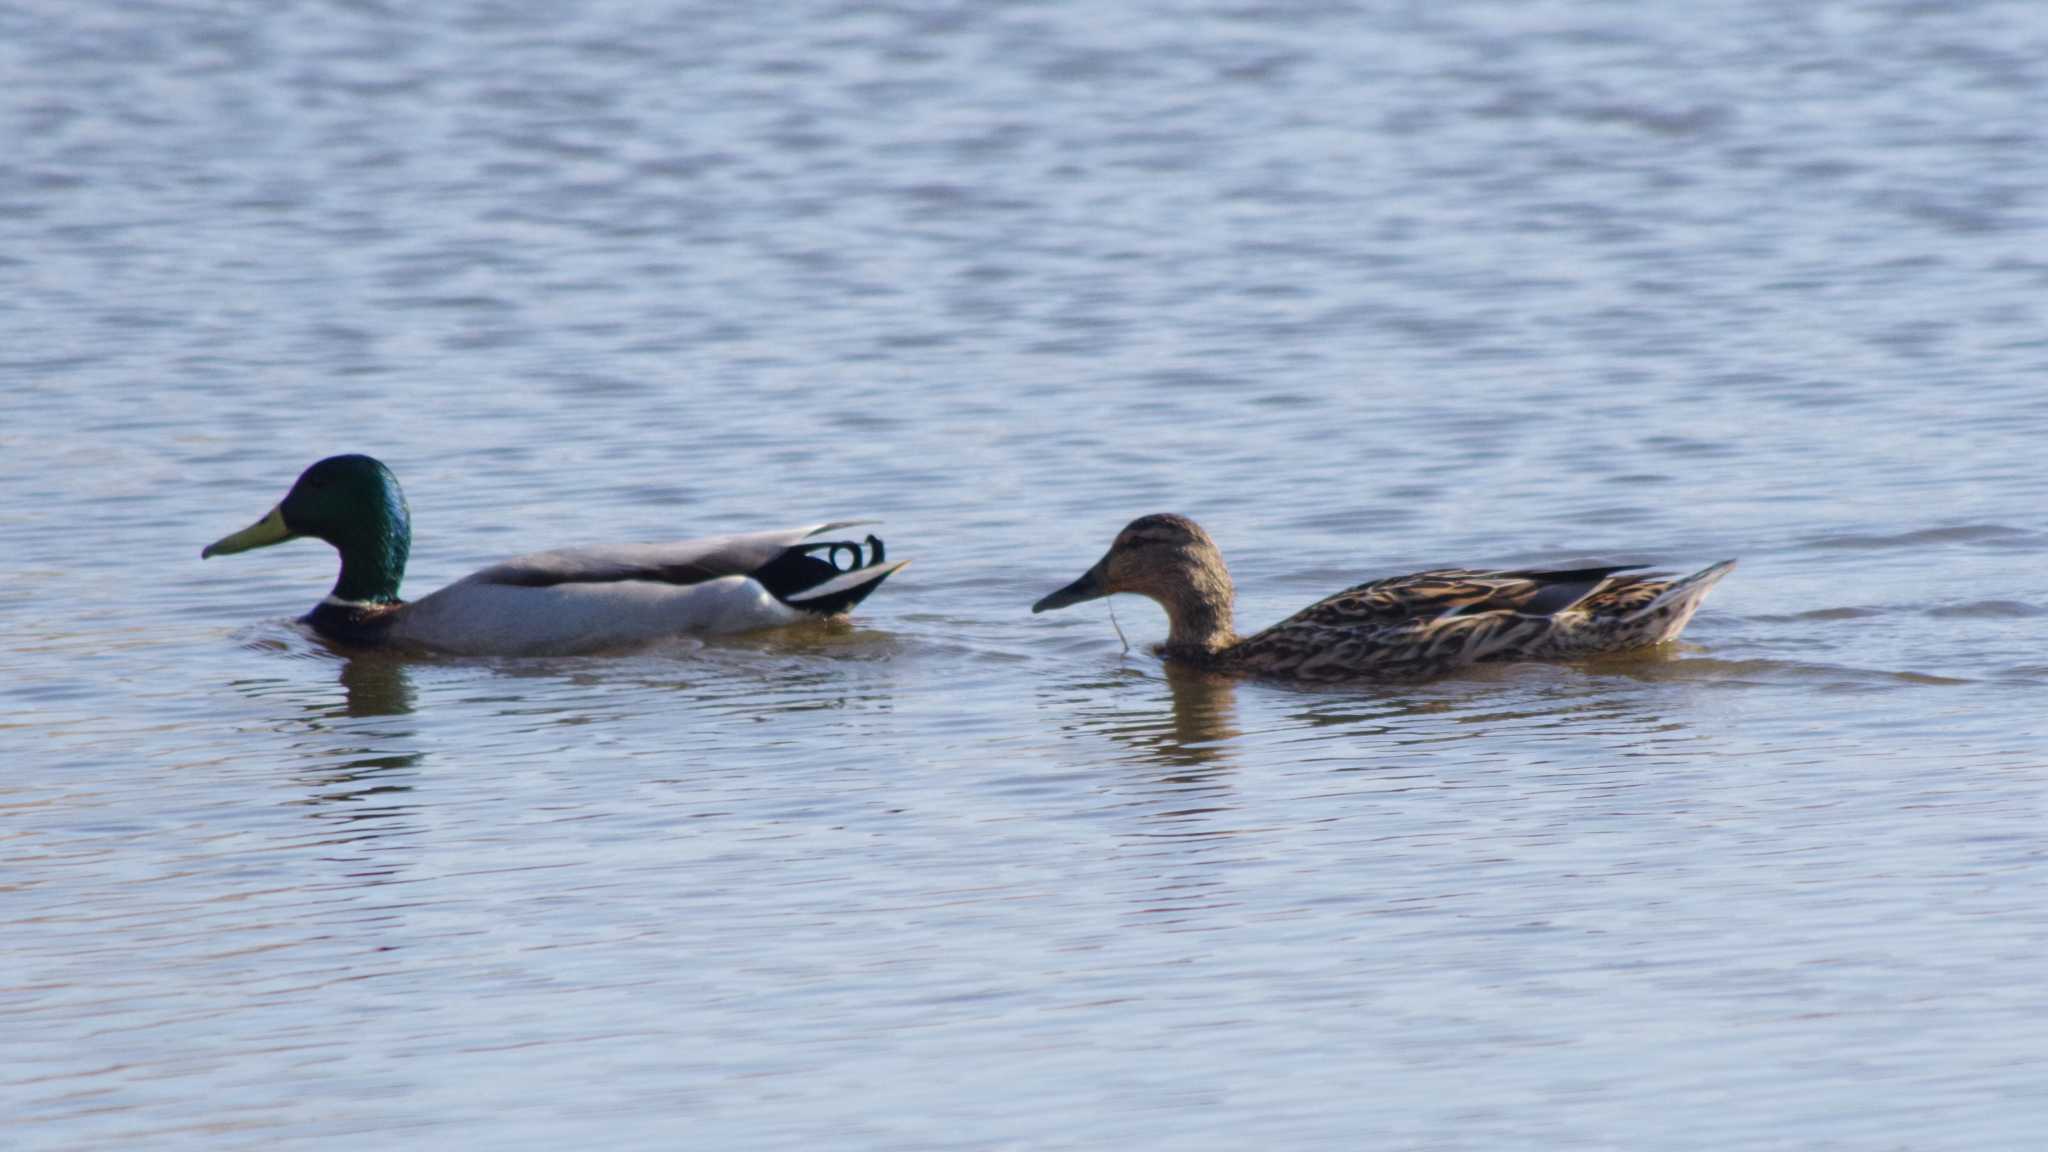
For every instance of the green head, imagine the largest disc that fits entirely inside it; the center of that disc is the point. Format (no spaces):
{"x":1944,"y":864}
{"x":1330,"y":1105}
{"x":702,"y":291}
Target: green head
{"x":353,"y":503}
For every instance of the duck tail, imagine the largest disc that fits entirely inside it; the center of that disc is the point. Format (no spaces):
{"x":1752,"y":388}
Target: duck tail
{"x":809,"y":576}
{"x":1673,"y":607}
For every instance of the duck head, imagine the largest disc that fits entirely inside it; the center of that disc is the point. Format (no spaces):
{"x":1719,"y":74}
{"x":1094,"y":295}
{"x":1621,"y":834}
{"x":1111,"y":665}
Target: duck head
{"x":1172,"y":561}
{"x":353,"y":503}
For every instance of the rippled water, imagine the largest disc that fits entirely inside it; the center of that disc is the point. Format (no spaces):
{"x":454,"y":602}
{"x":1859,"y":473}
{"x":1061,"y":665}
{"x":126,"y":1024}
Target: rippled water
{"x":1362,"y":288}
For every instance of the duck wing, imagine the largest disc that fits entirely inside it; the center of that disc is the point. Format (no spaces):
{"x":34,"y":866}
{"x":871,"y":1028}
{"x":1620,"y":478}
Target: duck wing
{"x":1426,"y":622}
{"x":795,"y":566}
{"x":1424,"y":597}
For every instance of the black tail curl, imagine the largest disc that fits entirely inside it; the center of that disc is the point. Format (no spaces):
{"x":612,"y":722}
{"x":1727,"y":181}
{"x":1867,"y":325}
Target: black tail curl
{"x":803,"y":567}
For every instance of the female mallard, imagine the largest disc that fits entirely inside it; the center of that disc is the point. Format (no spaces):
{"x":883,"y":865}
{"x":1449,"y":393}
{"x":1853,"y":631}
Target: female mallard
{"x":573,"y":600}
{"x":1405,"y":626}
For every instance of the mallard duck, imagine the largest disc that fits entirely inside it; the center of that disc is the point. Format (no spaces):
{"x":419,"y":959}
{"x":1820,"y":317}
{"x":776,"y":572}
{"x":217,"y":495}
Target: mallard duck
{"x":1405,"y":626}
{"x":572,"y":600}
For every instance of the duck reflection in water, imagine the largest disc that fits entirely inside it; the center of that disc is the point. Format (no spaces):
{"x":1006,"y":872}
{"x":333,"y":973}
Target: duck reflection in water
{"x":1195,"y":733}
{"x":375,"y":686}
{"x":1173,"y":793}
{"x":352,"y":770}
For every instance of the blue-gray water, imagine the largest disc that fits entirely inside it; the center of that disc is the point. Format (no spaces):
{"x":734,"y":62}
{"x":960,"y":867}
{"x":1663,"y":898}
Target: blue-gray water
{"x":1361,"y":287}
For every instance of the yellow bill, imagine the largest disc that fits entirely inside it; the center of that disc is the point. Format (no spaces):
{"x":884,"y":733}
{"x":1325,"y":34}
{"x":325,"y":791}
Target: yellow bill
{"x":267,"y":531}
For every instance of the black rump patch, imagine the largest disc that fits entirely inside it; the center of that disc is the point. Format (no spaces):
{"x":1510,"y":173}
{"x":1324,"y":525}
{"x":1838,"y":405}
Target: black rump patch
{"x":803,"y":567}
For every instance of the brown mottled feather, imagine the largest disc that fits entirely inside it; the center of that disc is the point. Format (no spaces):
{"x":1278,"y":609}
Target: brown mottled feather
{"x":1430,"y":622}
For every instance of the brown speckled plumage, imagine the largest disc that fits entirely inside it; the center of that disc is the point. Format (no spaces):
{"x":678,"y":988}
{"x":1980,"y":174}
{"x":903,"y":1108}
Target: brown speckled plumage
{"x":1410,"y":626}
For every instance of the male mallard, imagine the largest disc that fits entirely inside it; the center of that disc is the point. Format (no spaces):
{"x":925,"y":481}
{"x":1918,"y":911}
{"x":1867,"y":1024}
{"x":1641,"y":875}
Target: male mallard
{"x":573,"y":600}
{"x":1405,"y":626}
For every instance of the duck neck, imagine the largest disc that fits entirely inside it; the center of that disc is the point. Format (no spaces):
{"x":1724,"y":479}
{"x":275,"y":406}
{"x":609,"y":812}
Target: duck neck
{"x":373,"y":559}
{"x":1199,"y":623}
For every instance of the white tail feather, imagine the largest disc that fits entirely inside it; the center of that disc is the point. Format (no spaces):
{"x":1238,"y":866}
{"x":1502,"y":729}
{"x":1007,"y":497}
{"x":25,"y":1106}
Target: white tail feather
{"x":844,"y":581}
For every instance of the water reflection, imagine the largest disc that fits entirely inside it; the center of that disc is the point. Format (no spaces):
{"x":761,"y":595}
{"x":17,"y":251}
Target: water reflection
{"x":1204,"y":719}
{"x":1172,"y":793}
{"x":343,"y":748}
{"x":360,"y":781}
{"x":369,"y":776}
{"x":1490,"y":699}
{"x":756,"y":676}
{"x":1189,"y":730}
{"x":375,"y":686}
